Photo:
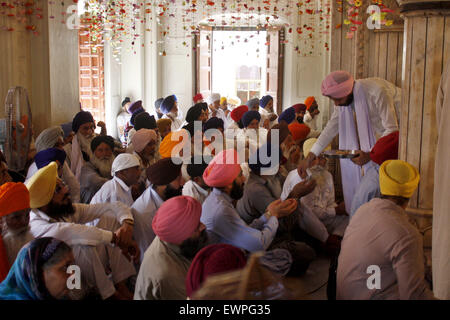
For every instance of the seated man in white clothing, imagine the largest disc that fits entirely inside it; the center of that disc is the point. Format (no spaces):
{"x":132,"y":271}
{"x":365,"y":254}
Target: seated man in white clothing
{"x":322,"y":200}
{"x":196,"y":186}
{"x":103,"y":266}
{"x":166,"y":181}
{"x":126,"y":174}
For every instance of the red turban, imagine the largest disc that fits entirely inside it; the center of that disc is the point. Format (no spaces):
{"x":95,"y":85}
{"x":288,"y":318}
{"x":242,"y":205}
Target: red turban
{"x":198,"y":97}
{"x":213,"y":259}
{"x":338,"y":84}
{"x":299,"y":107}
{"x":385,"y":149}
{"x":299,"y":131}
{"x":177,"y":219}
{"x":309,"y":101}
{"x":223,"y":169}
{"x":238,"y":112}
{"x":13,"y":197}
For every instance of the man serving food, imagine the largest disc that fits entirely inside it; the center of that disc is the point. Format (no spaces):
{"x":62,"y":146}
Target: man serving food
{"x":364,"y":111}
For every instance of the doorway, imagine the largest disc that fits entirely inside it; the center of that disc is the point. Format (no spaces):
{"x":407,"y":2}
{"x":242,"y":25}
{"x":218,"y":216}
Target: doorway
{"x":241,"y":63}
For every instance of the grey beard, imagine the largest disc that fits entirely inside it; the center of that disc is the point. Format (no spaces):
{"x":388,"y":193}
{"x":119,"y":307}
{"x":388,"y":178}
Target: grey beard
{"x":103,"y":166}
{"x":85,"y":144}
{"x":316,"y":172}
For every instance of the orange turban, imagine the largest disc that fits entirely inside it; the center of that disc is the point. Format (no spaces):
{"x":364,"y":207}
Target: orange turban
{"x":299,"y":131}
{"x":13,"y":197}
{"x":309,"y":101}
{"x":167,"y":145}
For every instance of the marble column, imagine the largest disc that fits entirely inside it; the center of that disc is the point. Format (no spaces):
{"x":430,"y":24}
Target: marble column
{"x":426,"y":49}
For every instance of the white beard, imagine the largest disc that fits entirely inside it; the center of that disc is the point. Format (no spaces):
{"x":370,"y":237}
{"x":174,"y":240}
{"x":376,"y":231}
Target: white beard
{"x":103,"y":166}
{"x":316,"y":172}
{"x":307,"y":117}
{"x":85,"y":144}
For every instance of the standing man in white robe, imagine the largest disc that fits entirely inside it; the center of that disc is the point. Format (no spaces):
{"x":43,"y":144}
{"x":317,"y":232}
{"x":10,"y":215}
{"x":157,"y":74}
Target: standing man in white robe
{"x":364,"y":111}
{"x":441,"y":201}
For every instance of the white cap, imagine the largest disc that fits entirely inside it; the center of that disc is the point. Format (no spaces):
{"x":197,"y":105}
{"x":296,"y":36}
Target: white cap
{"x":213,"y":98}
{"x":124,"y":161}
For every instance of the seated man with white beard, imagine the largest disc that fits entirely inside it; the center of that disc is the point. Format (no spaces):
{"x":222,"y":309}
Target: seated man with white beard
{"x":79,"y":151}
{"x":97,"y":171}
{"x":322,"y":200}
{"x":104,"y":267}
{"x":126,"y":173}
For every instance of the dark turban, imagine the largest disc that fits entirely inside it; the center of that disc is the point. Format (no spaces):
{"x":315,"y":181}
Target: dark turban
{"x":163,"y":172}
{"x":197,"y":166}
{"x":44,"y":157}
{"x":135,"y":106}
{"x":135,"y":114}
{"x":214,"y":123}
{"x":81,"y":118}
{"x":144,"y":121}
{"x":256,"y":162}
{"x":194,"y":112}
{"x":264,"y":101}
{"x":168,"y":104}
{"x":125,"y":101}
{"x":213,"y":259}
{"x":253,"y":103}
{"x":283,"y":132}
{"x":249,"y":116}
{"x":287,"y":115}
{"x":299,"y":107}
{"x":102,"y":139}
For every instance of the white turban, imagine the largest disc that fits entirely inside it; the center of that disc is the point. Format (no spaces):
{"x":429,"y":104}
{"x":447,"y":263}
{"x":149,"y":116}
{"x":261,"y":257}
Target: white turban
{"x":48,"y":138}
{"x":124,"y":161}
{"x":213,"y":98}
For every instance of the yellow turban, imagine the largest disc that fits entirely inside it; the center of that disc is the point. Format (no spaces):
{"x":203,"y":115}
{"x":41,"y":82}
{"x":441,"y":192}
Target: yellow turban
{"x":42,"y":185}
{"x":308,"y":144}
{"x":167,"y":145}
{"x":398,"y":178}
{"x":222,"y":100}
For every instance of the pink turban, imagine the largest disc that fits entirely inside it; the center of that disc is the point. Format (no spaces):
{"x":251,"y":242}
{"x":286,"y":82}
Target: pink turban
{"x":223,"y":169}
{"x":177,"y":219}
{"x":142,"y":137}
{"x":338,"y":84}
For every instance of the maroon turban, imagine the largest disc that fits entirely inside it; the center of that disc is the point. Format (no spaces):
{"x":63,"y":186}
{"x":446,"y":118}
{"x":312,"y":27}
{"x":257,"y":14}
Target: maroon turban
{"x":213,"y":259}
{"x":385,"y":149}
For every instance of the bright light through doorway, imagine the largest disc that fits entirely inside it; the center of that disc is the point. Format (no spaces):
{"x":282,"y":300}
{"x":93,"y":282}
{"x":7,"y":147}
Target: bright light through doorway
{"x":239,"y":64}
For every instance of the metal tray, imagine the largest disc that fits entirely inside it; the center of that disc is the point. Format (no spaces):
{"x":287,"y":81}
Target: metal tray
{"x":341,"y":154}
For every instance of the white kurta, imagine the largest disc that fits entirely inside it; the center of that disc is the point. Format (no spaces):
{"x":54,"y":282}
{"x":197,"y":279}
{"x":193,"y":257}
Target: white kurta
{"x":112,"y":191}
{"x":441,"y":201}
{"x":144,"y":210}
{"x":176,"y":123}
{"x":375,"y":103}
{"x":308,"y":221}
{"x":67,"y":176}
{"x":193,"y":190}
{"x":91,"y":245}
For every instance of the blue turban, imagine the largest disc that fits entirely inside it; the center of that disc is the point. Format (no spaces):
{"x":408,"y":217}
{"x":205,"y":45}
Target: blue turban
{"x":214,"y":123}
{"x":158,"y":103}
{"x":264,"y":101}
{"x":135,"y":106}
{"x":253,"y":103}
{"x":256,"y":162}
{"x":168,"y":104}
{"x":249,"y":116}
{"x":67,"y":128}
{"x":44,"y":157}
{"x":287,"y":115}
{"x":81,"y":118}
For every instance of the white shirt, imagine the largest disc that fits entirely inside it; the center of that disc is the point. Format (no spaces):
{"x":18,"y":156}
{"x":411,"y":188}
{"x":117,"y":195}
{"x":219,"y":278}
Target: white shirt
{"x":308,"y":221}
{"x":265,"y":115}
{"x":73,"y":230}
{"x":123,"y":119}
{"x":144,"y":210}
{"x":312,"y":124}
{"x":112,"y":191}
{"x":193,"y":190}
{"x":383,"y":100}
